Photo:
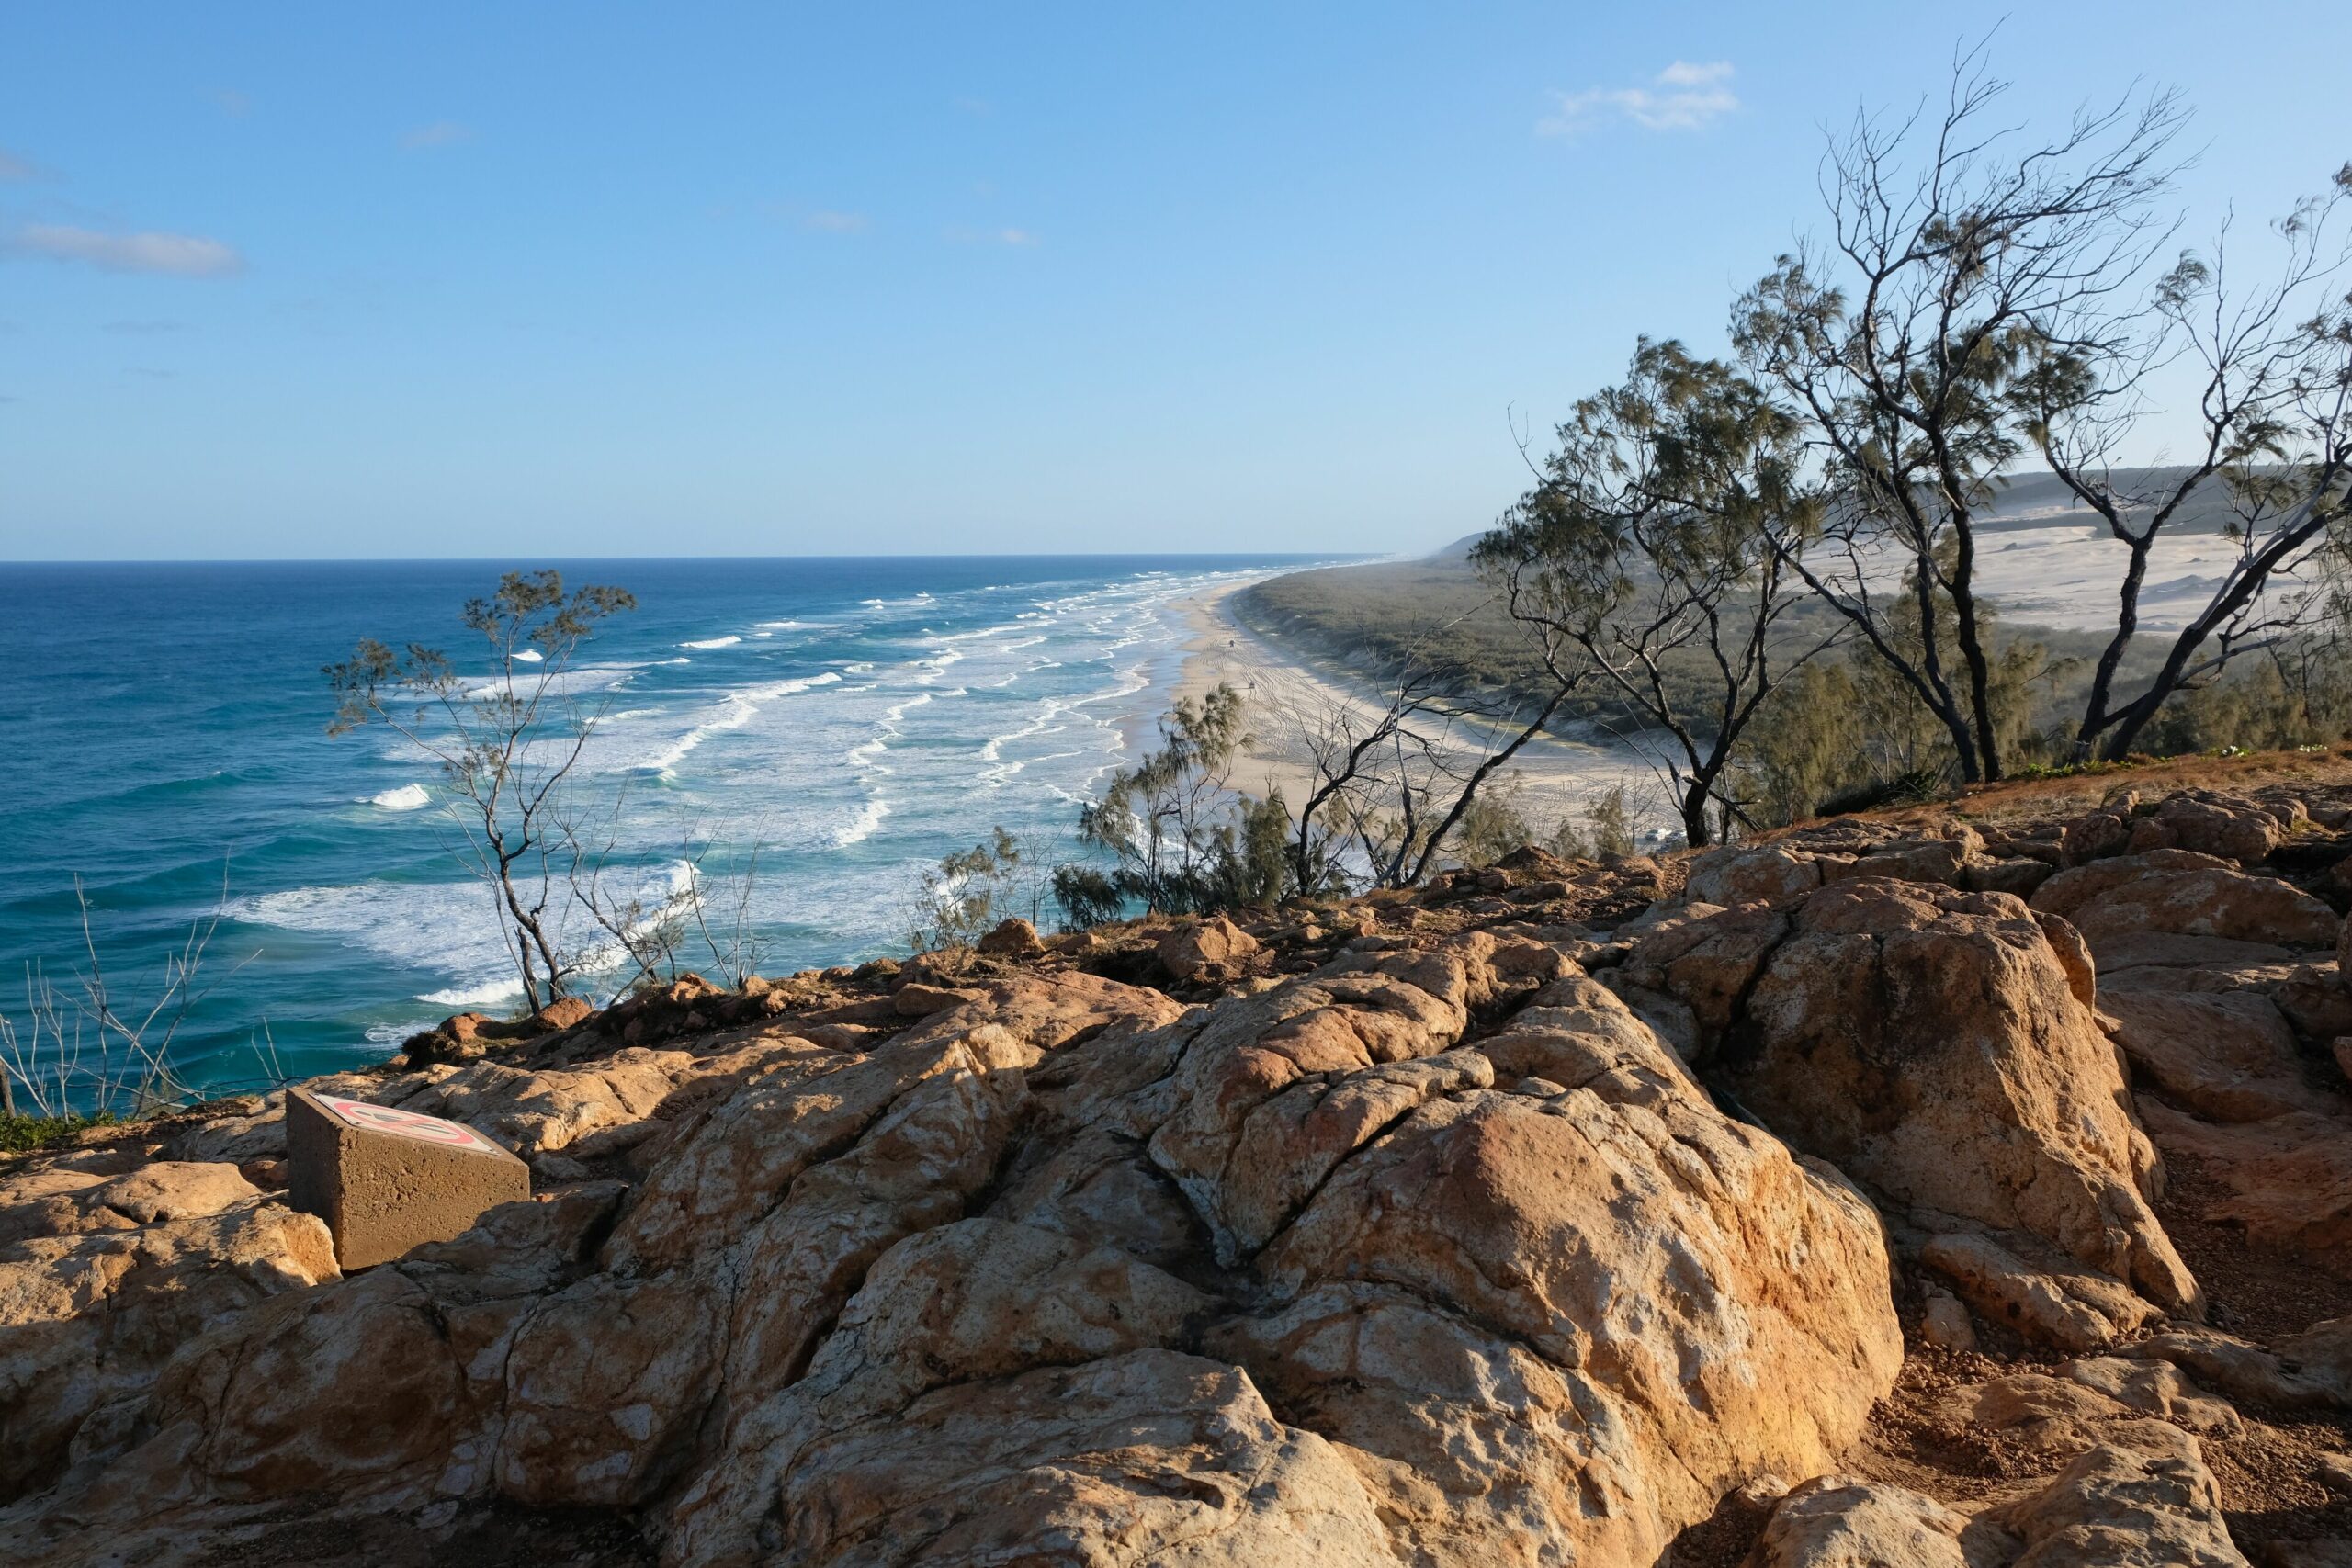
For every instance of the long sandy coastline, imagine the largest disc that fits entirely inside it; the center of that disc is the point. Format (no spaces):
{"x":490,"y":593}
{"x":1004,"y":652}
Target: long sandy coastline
{"x":1285,"y":692}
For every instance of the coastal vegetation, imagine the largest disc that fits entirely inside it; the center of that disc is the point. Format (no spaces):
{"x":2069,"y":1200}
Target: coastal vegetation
{"x":1771,"y":568}
{"x":505,"y":746}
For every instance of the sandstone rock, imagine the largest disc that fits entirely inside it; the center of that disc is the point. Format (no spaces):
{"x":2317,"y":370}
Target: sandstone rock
{"x":256,"y":1130}
{"x":1738,"y":873}
{"x":173,"y":1190}
{"x":2097,"y":836}
{"x":1937,"y":860}
{"x":1945,"y":1324}
{"x":2315,"y":1001}
{"x":1706,"y":962}
{"x":2183,"y":894}
{"x":1834,"y":1521}
{"x":2047,"y":1302}
{"x":1197,"y":946}
{"x":2242,"y":1371}
{"x":49,"y":1200}
{"x":385,"y":1180}
{"x":2154,"y":1504}
{"x":1009,"y":1287}
{"x":2049,"y":1416}
{"x":1149,"y":1456}
{"x":1045,"y":1012}
{"x":2074,"y":955}
{"x":1013,"y":938}
{"x":2165,"y":950}
{"x":917,"y":999}
{"x":1927,"y":1042}
{"x":88,"y":1318}
{"x":969,"y":1302}
{"x":2209,"y":824}
{"x":604,"y":1383}
{"x":1484,"y":1278}
{"x":2309,"y":1371}
{"x":2228,"y":1058}
{"x":2019,"y":874}
{"x":2289,"y":1178}
{"x":2154,"y":1388}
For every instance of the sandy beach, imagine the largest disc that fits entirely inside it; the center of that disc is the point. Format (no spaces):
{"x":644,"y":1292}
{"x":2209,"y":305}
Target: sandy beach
{"x":1288,"y":693}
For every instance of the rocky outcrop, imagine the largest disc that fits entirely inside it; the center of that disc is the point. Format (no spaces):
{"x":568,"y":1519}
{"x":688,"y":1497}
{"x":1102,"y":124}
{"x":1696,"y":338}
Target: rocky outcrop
{"x":109,"y":1273}
{"x":1934,"y":1044}
{"x":1507,"y":1223}
{"x":988,"y":1287}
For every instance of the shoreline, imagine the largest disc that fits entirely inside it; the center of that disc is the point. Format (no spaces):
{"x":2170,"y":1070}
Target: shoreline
{"x":1284,"y":692}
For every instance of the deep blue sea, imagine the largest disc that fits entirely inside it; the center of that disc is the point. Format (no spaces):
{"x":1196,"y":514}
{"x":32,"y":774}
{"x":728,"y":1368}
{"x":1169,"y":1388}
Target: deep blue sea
{"x":163,"y":737}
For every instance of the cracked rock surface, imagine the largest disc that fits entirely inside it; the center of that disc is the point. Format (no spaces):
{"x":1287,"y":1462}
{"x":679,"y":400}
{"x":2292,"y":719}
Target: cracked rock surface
{"x":1904,"y":1191}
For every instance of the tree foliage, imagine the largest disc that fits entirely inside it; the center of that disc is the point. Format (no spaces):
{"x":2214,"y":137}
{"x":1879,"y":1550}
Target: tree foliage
{"x":1180,"y":840}
{"x":1660,"y":531}
{"x":506,"y":744}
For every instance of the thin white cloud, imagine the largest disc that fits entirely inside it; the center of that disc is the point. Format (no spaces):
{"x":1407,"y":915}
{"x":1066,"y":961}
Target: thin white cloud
{"x":835,"y":222}
{"x":440,"y":133}
{"x":1017,"y":237}
{"x":173,"y":255}
{"x":13,"y":167}
{"x":1683,"y":97}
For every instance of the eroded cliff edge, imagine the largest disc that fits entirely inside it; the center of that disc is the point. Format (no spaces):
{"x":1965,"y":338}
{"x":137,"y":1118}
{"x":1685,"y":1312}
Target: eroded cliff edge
{"x":1968,"y":1186}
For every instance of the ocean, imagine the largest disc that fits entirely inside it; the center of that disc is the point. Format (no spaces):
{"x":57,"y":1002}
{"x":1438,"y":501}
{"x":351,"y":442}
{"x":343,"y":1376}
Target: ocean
{"x":162,"y":738}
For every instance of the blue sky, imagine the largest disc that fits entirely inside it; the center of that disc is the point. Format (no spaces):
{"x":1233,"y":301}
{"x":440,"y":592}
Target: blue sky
{"x":584,"y":280}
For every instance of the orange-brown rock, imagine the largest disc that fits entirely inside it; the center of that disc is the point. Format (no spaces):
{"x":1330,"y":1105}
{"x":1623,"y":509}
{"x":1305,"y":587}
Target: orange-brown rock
{"x":1517,"y":1231}
{"x":1199,"y":946}
{"x":2181,"y":893}
{"x":1932,"y":1043}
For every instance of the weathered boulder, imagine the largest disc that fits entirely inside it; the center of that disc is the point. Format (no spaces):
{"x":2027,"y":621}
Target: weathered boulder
{"x":2307,"y":1371}
{"x":2229,"y":1057}
{"x":1741,"y":873}
{"x":1836,"y":1521}
{"x":2048,"y":1298}
{"x":2181,"y":893}
{"x":2152,"y":1504}
{"x":88,"y":1316}
{"x":1704,"y":962}
{"x":1931,"y":1042}
{"x":1199,"y":946}
{"x":2207,"y":823}
{"x":2287,"y":1178}
{"x":1013,"y":938}
{"x":1153,"y":1456}
{"x":2146,"y":1502}
{"x":1470,"y":1303}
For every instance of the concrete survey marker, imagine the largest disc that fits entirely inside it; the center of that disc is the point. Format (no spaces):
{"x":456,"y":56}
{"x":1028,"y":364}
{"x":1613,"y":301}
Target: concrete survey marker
{"x":385,"y":1180}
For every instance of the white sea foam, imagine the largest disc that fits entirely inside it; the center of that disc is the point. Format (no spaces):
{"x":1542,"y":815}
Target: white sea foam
{"x":713,"y":642}
{"x":408,"y":797}
{"x":861,"y":828}
{"x":490,"y":993}
{"x":735,"y":710}
{"x":529,"y":656}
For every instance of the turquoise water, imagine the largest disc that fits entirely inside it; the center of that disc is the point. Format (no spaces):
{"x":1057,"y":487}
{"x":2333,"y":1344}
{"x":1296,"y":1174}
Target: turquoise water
{"x":163,"y":737}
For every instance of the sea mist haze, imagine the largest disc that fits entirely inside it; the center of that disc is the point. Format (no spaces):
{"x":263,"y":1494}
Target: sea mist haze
{"x":162,"y":735}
